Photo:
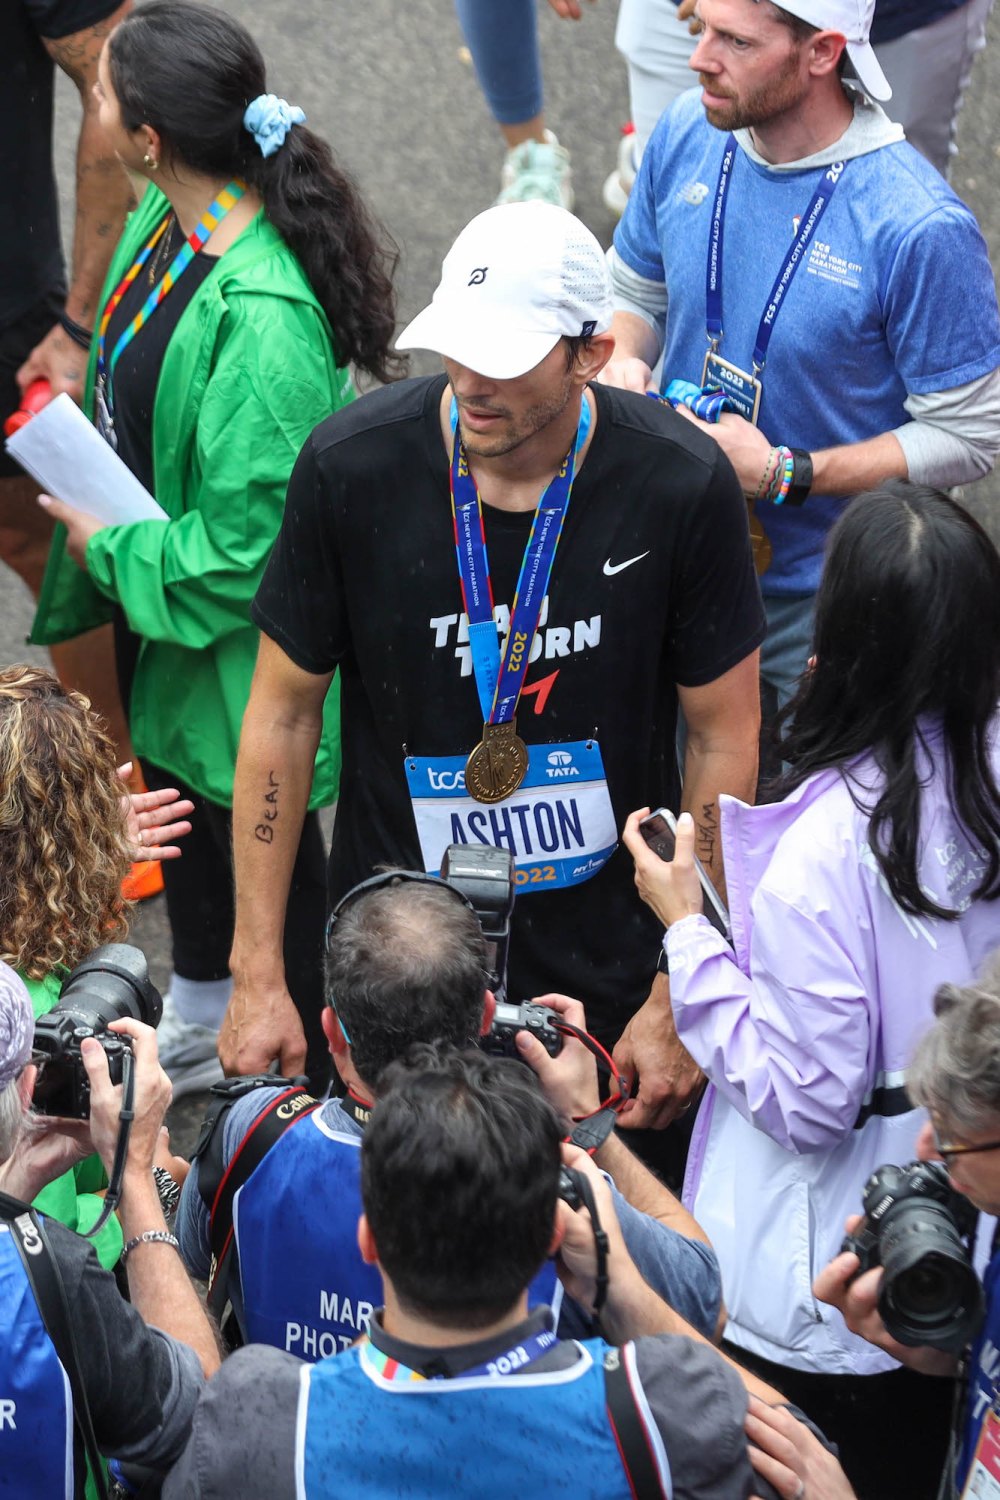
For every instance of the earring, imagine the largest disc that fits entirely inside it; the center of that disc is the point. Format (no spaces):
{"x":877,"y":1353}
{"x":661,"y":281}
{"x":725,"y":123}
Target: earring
{"x":150,"y":162}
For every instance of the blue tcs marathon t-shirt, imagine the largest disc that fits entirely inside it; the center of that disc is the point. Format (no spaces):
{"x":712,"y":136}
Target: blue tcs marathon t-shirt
{"x":895,"y":296}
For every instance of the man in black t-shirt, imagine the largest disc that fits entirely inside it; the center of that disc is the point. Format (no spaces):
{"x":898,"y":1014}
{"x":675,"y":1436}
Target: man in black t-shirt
{"x":652,"y":602}
{"x":44,"y":325}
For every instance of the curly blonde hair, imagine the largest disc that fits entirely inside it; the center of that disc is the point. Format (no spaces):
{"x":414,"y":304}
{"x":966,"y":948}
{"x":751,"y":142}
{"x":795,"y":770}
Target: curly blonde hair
{"x":63,"y":845}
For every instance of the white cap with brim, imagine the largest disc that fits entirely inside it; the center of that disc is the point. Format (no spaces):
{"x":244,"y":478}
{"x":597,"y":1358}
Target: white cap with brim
{"x":519,"y":278}
{"x":853,"y":19}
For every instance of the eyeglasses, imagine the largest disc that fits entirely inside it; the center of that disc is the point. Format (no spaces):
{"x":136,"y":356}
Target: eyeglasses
{"x":946,"y":1152}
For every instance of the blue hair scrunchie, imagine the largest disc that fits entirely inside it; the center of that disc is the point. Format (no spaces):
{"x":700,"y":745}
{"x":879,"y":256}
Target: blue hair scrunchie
{"x":269,"y":120}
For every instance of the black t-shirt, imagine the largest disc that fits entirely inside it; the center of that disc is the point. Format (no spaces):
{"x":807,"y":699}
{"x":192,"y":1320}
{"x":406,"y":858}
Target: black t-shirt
{"x":137,"y":371}
{"x":31,"y":262}
{"x":364,"y":576}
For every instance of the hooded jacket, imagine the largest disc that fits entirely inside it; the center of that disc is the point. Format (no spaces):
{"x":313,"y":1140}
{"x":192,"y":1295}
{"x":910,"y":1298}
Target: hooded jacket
{"x":247,"y":375}
{"x":806,"y":1032}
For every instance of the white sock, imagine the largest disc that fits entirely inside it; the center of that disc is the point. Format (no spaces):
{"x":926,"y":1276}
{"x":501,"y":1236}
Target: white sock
{"x":201,"y":1002}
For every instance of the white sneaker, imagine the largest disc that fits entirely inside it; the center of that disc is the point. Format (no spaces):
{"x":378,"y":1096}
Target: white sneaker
{"x":187,"y":1052}
{"x":619,"y":183}
{"x":537,"y":170}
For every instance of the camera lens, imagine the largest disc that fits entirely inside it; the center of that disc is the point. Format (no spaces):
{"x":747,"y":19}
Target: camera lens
{"x":111,"y":985}
{"x":930,"y":1293}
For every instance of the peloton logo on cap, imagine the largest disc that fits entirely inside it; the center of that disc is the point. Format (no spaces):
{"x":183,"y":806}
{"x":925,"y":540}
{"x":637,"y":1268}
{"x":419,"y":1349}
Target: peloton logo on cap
{"x":478,"y":276}
{"x":587,"y":329}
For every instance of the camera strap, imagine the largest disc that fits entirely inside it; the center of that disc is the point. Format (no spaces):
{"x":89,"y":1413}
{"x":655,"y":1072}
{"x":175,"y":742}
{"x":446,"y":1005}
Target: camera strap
{"x":45,"y":1280}
{"x":219,"y":1185}
{"x":629,"y":1427}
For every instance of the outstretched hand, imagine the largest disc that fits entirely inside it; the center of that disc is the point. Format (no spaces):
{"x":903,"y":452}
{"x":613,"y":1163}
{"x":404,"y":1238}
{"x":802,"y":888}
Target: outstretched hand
{"x":148,"y":818}
{"x":80,"y":526}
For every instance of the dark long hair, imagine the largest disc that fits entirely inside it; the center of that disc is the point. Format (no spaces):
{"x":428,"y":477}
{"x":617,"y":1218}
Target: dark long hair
{"x":907,"y":630}
{"x":190,"y":71}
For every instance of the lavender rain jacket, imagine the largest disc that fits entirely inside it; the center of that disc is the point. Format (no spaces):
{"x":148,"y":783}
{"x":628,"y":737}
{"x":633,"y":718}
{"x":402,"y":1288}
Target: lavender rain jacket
{"x":805,"y":1034}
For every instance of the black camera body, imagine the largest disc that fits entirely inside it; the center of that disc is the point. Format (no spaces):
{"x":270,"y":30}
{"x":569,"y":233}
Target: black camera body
{"x":918,"y":1228}
{"x":111,"y":985}
{"x":508,"y":1020}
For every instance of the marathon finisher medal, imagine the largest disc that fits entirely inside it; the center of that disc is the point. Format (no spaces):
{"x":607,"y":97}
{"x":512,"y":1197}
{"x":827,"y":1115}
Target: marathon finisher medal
{"x":498,"y":764}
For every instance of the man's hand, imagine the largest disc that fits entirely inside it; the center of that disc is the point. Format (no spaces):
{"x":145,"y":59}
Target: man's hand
{"x":857,"y":1301}
{"x":80,"y":526}
{"x":577,"y":1258}
{"x":152,"y":1097}
{"x":569,"y":1080}
{"x":59,"y":361}
{"x":261,"y":1024}
{"x":148,"y":820}
{"x":786,"y":1453}
{"x":669,"y":1077}
{"x":47,"y":1148}
{"x":685,"y":12}
{"x":670,"y":888}
{"x":746,"y":447}
{"x":629,"y":374}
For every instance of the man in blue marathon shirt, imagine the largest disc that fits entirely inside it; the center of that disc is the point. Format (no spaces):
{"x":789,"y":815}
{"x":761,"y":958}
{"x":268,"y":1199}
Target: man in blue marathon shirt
{"x":518,"y":579}
{"x":406,"y":963}
{"x":140,"y":1383}
{"x":784,"y":242}
{"x":459,"y":1388}
{"x":955,"y":1074}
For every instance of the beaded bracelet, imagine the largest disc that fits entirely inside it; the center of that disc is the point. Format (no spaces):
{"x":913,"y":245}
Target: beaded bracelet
{"x":787,"y":474}
{"x":151,"y":1237}
{"x":767,"y":478}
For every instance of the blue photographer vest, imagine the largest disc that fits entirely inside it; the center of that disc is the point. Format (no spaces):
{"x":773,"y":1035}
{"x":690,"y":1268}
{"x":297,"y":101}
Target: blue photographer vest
{"x":36,"y":1406}
{"x":305,"y":1287}
{"x":984,"y":1373}
{"x":546,"y":1434}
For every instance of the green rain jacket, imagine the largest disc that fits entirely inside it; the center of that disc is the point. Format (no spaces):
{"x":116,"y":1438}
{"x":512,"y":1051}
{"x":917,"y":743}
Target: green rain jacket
{"x":248,"y":373}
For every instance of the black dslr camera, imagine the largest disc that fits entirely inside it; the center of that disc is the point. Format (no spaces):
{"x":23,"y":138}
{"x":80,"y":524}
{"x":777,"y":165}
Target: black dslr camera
{"x":918,"y":1228}
{"x":111,"y":985}
{"x":485,"y":877}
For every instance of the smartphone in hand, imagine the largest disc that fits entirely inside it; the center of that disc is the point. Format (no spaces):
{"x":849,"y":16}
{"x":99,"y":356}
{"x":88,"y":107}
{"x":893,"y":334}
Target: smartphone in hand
{"x":660,"y":832}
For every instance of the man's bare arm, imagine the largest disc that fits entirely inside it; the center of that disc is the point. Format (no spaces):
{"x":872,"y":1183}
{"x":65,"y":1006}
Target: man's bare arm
{"x":723,"y":725}
{"x":278,"y":743}
{"x":103,"y":198}
{"x":638,"y":1186}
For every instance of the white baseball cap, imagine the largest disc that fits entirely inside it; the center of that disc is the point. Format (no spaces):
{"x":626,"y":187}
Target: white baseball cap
{"x":853,"y":19}
{"x":519,"y":278}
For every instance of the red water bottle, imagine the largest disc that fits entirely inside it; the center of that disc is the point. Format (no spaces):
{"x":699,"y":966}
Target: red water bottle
{"x":38,"y":394}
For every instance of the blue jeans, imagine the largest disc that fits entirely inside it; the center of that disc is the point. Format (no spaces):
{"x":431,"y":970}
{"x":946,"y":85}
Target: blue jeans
{"x":502,"y":36}
{"x":788,"y":645}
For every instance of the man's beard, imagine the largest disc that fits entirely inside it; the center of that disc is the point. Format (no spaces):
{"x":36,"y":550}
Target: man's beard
{"x":517,"y":431}
{"x":758,"y":107}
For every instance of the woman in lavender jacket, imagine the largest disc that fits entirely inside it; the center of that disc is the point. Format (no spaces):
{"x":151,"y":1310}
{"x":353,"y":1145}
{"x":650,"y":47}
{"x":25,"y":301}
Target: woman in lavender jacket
{"x":871,"y":882}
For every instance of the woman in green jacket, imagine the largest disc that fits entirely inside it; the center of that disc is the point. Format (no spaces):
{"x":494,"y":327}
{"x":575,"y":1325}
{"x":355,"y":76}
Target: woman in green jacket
{"x":249,"y":278}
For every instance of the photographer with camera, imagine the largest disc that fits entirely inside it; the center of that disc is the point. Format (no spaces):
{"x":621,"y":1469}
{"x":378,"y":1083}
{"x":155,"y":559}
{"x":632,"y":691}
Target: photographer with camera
{"x":459,"y":1388}
{"x":80,"y":1369}
{"x":68,"y":833}
{"x":270,"y":1204}
{"x":956,"y":1074}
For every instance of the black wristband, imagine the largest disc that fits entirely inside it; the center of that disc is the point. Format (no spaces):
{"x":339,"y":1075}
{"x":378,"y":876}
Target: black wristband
{"x":81,"y":336}
{"x":802,"y":477}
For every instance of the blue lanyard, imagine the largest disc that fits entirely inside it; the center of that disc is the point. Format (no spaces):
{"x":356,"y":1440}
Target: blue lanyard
{"x":499,"y":682}
{"x":713,"y":288}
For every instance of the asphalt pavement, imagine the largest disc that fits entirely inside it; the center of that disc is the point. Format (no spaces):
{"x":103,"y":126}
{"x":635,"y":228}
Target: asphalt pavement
{"x":391,"y":86}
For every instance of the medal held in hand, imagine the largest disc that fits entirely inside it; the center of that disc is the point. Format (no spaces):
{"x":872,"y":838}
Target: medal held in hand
{"x":497,"y":766}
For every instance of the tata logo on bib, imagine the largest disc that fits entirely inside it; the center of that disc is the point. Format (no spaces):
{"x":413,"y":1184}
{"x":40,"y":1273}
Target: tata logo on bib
{"x":446,"y":781}
{"x":560,"y":765}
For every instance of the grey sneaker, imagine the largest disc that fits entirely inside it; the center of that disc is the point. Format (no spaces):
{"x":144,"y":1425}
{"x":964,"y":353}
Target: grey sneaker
{"x":187,"y":1052}
{"x":537,"y":170}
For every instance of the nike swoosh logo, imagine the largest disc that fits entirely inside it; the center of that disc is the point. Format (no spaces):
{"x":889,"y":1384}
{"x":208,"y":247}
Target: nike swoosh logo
{"x":610,"y":568}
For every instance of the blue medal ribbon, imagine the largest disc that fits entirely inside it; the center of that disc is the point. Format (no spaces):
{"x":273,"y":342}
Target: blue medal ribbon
{"x":499,"y":682}
{"x":807,"y":228}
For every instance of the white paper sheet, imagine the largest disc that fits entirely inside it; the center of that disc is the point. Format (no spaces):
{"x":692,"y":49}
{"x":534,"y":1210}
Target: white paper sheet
{"x":70,"y":460}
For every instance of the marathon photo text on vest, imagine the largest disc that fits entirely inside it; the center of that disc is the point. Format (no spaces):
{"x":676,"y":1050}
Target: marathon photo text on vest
{"x":559,"y":825}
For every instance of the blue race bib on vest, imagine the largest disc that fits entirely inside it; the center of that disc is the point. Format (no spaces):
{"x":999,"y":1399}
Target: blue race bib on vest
{"x":540,"y":1434}
{"x":36,"y":1406}
{"x":306,"y":1197}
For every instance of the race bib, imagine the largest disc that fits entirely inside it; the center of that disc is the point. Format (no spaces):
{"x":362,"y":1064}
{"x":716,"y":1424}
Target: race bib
{"x":984,"y":1476}
{"x":559,"y":824}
